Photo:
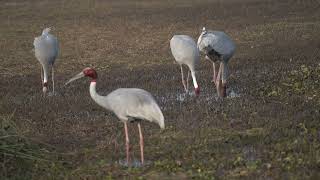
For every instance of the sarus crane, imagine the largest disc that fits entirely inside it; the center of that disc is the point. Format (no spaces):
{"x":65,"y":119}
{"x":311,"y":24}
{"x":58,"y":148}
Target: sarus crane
{"x":217,"y":47}
{"x":46,"y":51}
{"x":185,"y":52}
{"x":128,"y":104}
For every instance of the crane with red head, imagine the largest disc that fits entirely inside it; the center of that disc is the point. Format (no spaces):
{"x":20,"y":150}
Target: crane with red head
{"x":128,"y":104}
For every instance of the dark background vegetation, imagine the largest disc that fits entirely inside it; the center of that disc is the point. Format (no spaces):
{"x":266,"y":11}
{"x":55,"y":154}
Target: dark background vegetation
{"x":271,"y":131}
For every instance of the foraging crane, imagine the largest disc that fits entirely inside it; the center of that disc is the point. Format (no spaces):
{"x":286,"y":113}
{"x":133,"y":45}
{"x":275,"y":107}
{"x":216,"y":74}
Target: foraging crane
{"x":185,"y":52}
{"x":128,"y":104}
{"x":46,"y":51}
{"x":217,"y":46}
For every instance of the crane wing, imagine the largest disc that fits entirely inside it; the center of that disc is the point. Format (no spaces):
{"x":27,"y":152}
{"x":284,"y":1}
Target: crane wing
{"x":46,"y":48}
{"x":136,"y":103}
{"x":217,"y":41}
{"x":184,"y":49}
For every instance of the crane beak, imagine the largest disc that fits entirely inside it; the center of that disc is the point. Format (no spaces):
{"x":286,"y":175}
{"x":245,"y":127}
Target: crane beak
{"x":78,"y":76}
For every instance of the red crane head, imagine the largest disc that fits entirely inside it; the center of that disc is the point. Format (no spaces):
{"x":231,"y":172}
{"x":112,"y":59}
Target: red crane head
{"x":89,"y":72}
{"x":197,"y":91}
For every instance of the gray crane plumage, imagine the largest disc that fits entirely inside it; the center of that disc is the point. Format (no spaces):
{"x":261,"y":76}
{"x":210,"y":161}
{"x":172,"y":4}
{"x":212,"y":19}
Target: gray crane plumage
{"x":46,"y":51}
{"x":217,"y":46}
{"x":128,"y":104}
{"x":218,"y":41}
{"x":185,"y":52}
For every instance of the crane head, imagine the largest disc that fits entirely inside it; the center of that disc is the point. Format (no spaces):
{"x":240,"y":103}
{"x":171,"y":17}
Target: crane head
{"x":197,"y":91}
{"x":46,"y":31}
{"x":45,"y":87}
{"x":89,"y":72}
{"x":203,"y":29}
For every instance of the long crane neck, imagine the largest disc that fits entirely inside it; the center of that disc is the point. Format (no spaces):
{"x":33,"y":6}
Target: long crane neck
{"x":195,"y":84}
{"x":101,"y":100}
{"x":194,"y":80}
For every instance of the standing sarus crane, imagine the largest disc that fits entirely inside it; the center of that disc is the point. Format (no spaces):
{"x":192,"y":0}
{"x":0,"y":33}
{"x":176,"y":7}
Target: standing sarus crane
{"x":46,"y":51}
{"x":185,"y":52}
{"x":218,"y":47}
{"x":128,"y":104}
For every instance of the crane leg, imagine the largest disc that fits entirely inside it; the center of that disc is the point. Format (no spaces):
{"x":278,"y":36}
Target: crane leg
{"x":218,"y":81}
{"x":224,"y":71}
{"x":183,"y":81}
{"x":127,"y":141}
{"x":188,"y":77}
{"x":141,"y":143}
{"x":214,"y":78}
{"x":52,"y":74}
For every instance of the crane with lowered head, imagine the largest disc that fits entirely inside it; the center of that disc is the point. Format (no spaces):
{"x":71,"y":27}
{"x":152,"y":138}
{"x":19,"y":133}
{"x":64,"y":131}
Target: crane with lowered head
{"x":185,"y":52}
{"x":217,"y":47}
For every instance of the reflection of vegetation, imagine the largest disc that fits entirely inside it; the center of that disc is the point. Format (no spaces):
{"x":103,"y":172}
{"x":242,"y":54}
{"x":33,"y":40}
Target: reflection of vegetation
{"x":20,"y":157}
{"x":303,"y":82}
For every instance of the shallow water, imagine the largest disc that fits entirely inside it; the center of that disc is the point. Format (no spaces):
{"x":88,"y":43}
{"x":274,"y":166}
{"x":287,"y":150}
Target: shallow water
{"x":135,"y":163}
{"x":50,"y":94}
{"x":183,"y":97}
{"x":232,"y":94}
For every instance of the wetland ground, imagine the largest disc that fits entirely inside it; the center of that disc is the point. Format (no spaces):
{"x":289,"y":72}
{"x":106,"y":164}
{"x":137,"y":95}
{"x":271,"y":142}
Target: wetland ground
{"x":270,"y":131}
